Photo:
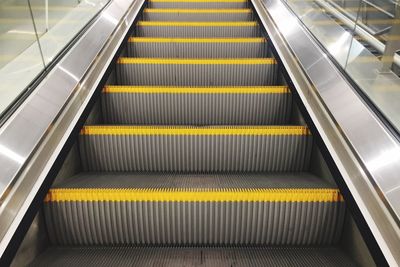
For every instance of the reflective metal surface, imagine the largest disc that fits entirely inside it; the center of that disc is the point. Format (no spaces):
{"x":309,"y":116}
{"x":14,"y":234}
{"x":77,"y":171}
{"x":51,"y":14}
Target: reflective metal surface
{"x":371,"y":168}
{"x":51,"y":112}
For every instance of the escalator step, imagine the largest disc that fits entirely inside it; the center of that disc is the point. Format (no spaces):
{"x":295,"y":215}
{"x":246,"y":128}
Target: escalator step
{"x":155,"y":209}
{"x":155,"y":14}
{"x":197,"y":72}
{"x":206,"y":4}
{"x":196,"y":105}
{"x":195,"y":149}
{"x":197,"y":47}
{"x":190,"y":29}
{"x":204,"y":257}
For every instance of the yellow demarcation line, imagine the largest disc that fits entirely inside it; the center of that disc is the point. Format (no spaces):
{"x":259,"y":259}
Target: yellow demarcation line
{"x":201,"y":11}
{"x":196,"y":90}
{"x":184,"y":130}
{"x":194,"y":40}
{"x":195,"y":61}
{"x":198,"y":1}
{"x":198,"y":23}
{"x":195,"y":195}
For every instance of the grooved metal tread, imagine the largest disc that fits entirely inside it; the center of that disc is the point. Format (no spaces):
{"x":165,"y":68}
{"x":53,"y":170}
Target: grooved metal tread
{"x":190,"y":15}
{"x":183,"y":29}
{"x":197,"y":4}
{"x":188,"y":209}
{"x":195,"y":149}
{"x":200,"y":257}
{"x":189,"y":180}
{"x":190,"y":187}
{"x":197,"y":47}
{"x":196,"y":105}
{"x":197,"y":72}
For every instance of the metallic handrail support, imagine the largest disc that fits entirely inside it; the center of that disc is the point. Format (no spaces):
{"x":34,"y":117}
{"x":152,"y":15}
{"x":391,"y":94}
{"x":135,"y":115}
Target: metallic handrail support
{"x":34,"y":135}
{"x":367,"y":155}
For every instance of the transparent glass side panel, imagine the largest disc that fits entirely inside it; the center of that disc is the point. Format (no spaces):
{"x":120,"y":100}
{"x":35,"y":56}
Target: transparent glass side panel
{"x":376,"y":71}
{"x":363,"y":36}
{"x":17,"y":35}
{"x":32,"y":34}
{"x":66,"y":18}
{"x":336,"y":39}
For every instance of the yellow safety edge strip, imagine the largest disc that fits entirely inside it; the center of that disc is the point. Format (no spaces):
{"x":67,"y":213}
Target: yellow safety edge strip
{"x":198,"y":1}
{"x":184,"y":130}
{"x":199,"y":23}
{"x":196,"y":195}
{"x":182,"y":10}
{"x":196,"y":90}
{"x":194,"y":40}
{"x":196,"y":61}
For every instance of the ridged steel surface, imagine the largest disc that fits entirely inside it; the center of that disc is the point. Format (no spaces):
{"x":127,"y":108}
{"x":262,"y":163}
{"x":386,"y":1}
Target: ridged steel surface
{"x":205,"y":5}
{"x":189,"y":16}
{"x":201,"y":257}
{"x":197,"y":50}
{"x":197,"y":31}
{"x":197,"y":75}
{"x":180,"y":153}
{"x":189,"y":180}
{"x":196,"y":109}
{"x":193,"y":223}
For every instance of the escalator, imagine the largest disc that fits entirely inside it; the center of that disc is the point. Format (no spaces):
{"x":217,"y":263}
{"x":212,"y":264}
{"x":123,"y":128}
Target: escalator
{"x":196,"y":155}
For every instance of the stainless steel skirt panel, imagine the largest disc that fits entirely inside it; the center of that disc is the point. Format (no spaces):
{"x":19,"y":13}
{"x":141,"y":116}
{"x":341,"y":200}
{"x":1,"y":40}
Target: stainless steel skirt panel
{"x":193,"y":223}
{"x":197,"y":50}
{"x":197,"y":31}
{"x":197,"y":75}
{"x":201,"y":153}
{"x":196,"y":109}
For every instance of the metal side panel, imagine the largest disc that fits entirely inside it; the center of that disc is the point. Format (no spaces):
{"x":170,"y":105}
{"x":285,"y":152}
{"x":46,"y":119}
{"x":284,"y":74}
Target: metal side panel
{"x":198,"y":31}
{"x":197,"y":74}
{"x":195,"y":153}
{"x":191,"y":108}
{"x":198,"y":4}
{"x":198,"y":16}
{"x":178,"y":48}
{"x":190,"y":257}
{"x":105,"y":222}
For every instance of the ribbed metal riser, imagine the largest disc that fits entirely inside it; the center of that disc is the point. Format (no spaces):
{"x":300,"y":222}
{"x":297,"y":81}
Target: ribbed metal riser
{"x":205,"y":5}
{"x":194,"y":223}
{"x":196,"y":109}
{"x":194,"y":257}
{"x":210,"y":153}
{"x":197,"y":75}
{"x":197,"y":16}
{"x":198,"y":50}
{"x":197,"y":31}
